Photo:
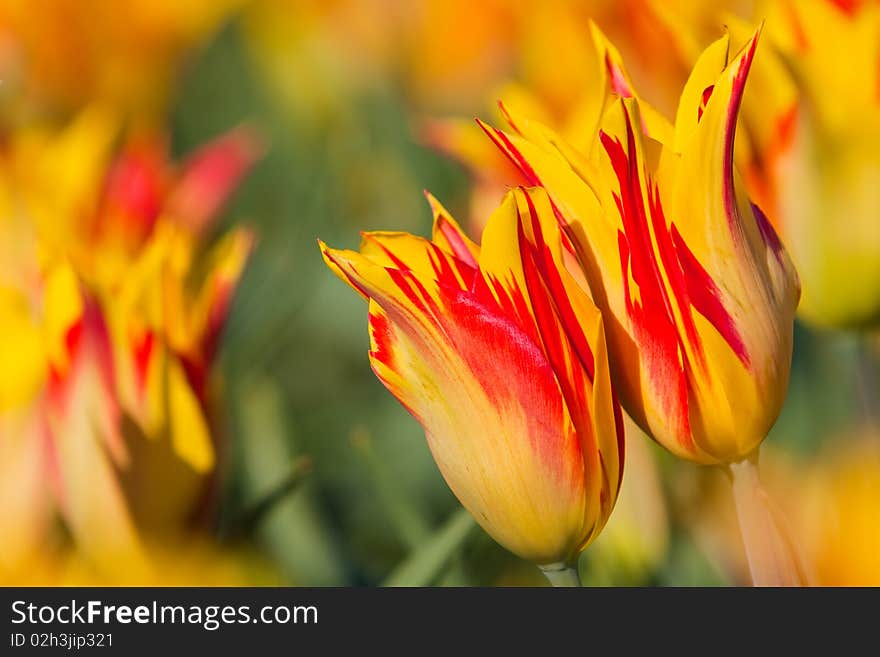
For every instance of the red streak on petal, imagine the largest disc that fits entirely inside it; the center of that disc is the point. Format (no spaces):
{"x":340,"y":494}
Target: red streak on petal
{"x":450,"y":270}
{"x":785,"y":127}
{"x":556,"y":349}
{"x":512,"y":370}
{"x":501,"y":140}
{"x":507,"y":300}
{"x":196,"y":372}
{"x":706,"y":298}
{"x":57,"y":378}
{"x":674,"y":273}
{"x":344,"y":269}
{"x":542,"y":258}
{"x":707,"y":94}
{"x":444,"y":265}
{"x":380,"y":329}
{"x":652,"y":317}
{"x":397,"y":261}
{"x":616,"y":79}
{"x":730,"y":133}
{"x":403,"y":281}
{"x":508,"y":117}
{"x":630,"y":204}
{"x":99,"y":342}
{"x":771,"y":237}
{"x":73,"y":338}
{"x":459,"y":248}
{"x":142,"y":351}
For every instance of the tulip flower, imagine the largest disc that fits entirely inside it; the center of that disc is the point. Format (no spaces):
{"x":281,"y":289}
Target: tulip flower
{"x":500,"y":355}
{"x":809,"y":161}
{"x":60,"y":430}
{"x":112,"y":310}
{"x":698,"y":293}
{"x":817,"y":159}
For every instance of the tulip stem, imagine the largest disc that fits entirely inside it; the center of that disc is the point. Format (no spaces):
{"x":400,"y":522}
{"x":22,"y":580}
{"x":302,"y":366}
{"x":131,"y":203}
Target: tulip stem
{"x":562,"y":575}
{"x":771,"y":554}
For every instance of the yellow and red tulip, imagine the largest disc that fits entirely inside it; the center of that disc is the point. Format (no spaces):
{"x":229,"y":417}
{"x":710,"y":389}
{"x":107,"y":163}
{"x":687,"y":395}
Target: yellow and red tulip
{"x":698,"y":293}
{"x":500,"y":355}
{"x":110,"y":309}
{"x":165,"y":329}
{"x":61,"y":435}
{"x":816,"y":154}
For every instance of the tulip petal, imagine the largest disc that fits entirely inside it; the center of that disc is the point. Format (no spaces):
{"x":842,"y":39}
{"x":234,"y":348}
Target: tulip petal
{"x":416,"y":254}
{"x":498,"y":368}
{"x":464,"y":368}
{"x":698,"y":90}
{"x":211,"y":175}
{"x":676,"y":259}
{"x":448,"y":235}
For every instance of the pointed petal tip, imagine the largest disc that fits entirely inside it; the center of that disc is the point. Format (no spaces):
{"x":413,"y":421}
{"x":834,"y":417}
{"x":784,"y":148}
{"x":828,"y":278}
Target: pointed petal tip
{"x":747,"y":52}
{"x":506,"y":114}
{"x":242,"y":145}
{"x":483,"y":125}
{"x":326,"y":252}
{"x":436,"y":206}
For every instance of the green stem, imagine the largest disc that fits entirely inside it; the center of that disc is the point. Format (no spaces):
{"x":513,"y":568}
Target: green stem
{"x":560,"y":574}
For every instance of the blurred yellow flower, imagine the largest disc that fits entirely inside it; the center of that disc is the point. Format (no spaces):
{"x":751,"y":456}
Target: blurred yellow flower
{"x":572,"y":98}
{"x":114,"y":313}
{"x":445,"y":55}
{"x":816,"y":158}
{"x":316,"y":54}
{"x":66,"y":54}
{"x":838,"y":514}
{"x":829,"y":501}
{"x":197,"y":561}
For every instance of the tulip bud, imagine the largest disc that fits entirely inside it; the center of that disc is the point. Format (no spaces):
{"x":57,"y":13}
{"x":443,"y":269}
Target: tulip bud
{"x":696,"y":289}
{"x":500,"y":355}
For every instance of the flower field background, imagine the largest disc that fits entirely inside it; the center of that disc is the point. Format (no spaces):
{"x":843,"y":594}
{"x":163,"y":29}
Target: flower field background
{"x":345,"y":112}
